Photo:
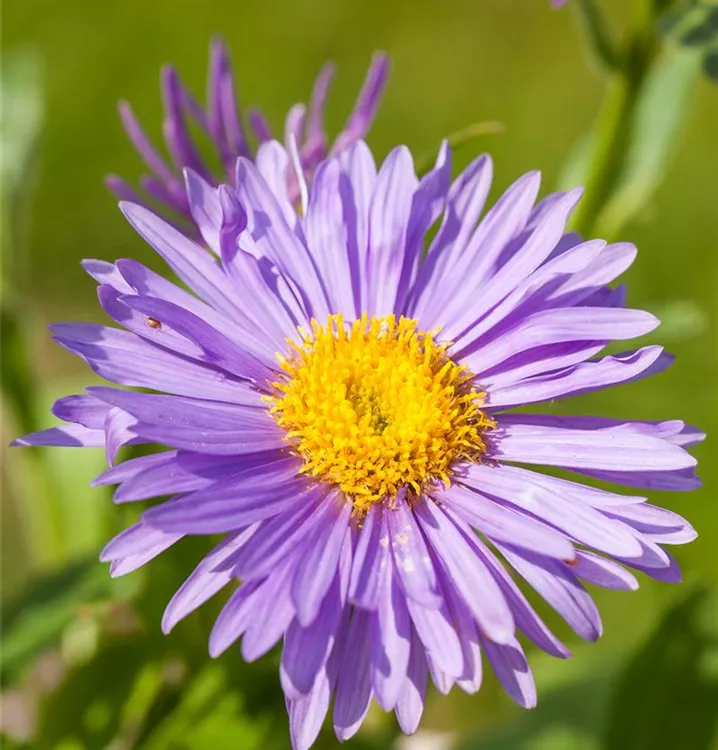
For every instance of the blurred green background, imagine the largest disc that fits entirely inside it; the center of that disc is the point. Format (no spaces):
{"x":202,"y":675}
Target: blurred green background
{"x":84,"y":664}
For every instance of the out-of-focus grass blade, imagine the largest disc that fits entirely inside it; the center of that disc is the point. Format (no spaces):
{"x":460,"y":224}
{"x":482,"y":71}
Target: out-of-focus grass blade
{"x":667,"y":697}
{"x":693,"y":25}
{"x":210,"y":714}
{"x":657,"y":119}
{"x":20,"y":125}
{"x":36,"y":619}
{"x":457,"y":140}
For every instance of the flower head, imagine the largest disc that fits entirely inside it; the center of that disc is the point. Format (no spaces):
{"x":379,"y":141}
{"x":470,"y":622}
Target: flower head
{"x":222,"y":122}
{"x":341,"y":405}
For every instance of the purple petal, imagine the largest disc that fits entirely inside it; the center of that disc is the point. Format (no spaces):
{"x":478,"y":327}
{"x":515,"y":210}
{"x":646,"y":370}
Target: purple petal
{"x":229,"y":505}
{"x":134,"y":547}
{"x":145,"y":149}
{"x":106,"y":273}
{"x":426,"y":207}
{"x":306,"y":715}
{"x":581,"y":522}
{"x":464,"y":204}
{"x":189,"y":472}
{"x":390,"y":644}
{"x":605,"y":449}
{"x":119,"y":431}
{"x":581,"y":378}
{"x":127,"y":470}
{"x":114,"y":304}
{"x":466,"y":571}
{"x":371,"y":559}
{"x":388,"y":219}
{"x":177,"y":137}
{"x":234,"y":618}
{"x":513,"y":671}
{"x":273,"y":163}
{"x":122,"y":357}
{"x":204,"y":207}
{"x":526,"y":618}
{"x":318,"y":100}
{"x":271,"y":613}
{"x":558,"y":326}
{"x":275,"y":239}
{"x":187,"y":259}
{"x":217,"y":349}
{"x":365,"y":109}
{"x":356,"y":189}
{"x":498,"y":279}
{"x":318,"y":569}
{"x":354,"y":692}
{"x":560,"y":588}
{"x":411,"y":556}
{"x":438,"y":635}
{"x":289,"y":531}
{"x":204,"y":581}
{"x":602,"y":572}
{"x":86,"y":410}
{"x":306,"y":649}
{"x":327,"y":234}
{"x":66,"y":435}
{"x":410,"y":704}
{"x":505,"y":524}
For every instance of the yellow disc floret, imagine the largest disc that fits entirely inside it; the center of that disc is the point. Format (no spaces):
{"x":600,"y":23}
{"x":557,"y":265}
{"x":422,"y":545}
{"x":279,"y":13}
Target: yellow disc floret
{"x":377,"y":406}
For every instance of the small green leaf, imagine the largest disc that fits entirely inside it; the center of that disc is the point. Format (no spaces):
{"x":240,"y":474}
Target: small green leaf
{"x":668,"y":694}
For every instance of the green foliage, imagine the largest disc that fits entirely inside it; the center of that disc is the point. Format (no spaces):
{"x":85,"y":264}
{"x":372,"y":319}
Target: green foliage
{"x":37,"y":618}
{"x":651,"y":142}
{"x":668,"y":695}
{"x":695,"y":24}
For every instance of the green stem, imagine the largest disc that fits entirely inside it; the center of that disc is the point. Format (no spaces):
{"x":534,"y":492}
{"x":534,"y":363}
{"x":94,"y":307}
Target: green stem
{"x":598,"y":34}
{"x":616,"y":117}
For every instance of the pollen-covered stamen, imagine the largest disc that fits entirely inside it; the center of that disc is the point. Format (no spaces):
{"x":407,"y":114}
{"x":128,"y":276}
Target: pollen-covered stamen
{"x":377,"y":406}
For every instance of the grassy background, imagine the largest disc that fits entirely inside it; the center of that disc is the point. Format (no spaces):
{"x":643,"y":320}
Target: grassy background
{"x":454,"y":63}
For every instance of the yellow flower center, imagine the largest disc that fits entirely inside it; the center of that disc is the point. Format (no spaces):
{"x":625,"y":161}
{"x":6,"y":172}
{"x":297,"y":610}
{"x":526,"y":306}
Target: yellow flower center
{"x":377,"y":406}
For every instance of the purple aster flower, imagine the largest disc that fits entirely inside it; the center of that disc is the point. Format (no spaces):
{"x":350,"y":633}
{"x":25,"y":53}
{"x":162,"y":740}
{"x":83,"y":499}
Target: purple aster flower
{"x":341,"y":406}
{"x":223,"y":124}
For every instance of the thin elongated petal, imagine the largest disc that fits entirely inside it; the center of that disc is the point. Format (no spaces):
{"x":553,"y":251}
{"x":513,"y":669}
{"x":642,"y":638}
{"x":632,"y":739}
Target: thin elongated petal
{"x":388,"y":219}
{"x":606,"y":449}
{"x":354,"y":687}
{"x":410,"y":704}
{"x":66,"y":435}
{"x":371,"y":559}
{"x":581,"y":522}
{"x":499,"y":522}
{"x":559,"y":326}
{"x":204,"y":581}
{"x":584,"y":377}
{"x":467,"y":572}
{"x":560,"y":588}
{"x":122,"y":357}
{"x":306,"y":649}
{"x":411,"y":557}
{"x":390,"y":644}
{"x":513,"y":671}
{"x":229,"y":505}
{"x":319,"y":566}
